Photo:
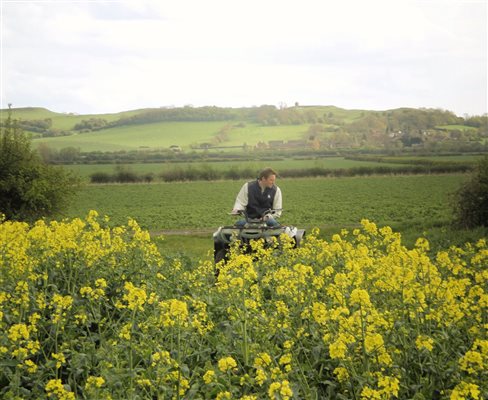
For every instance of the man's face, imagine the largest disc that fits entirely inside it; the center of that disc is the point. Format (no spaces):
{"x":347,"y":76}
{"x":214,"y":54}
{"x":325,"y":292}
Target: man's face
{"x":268,"y":182}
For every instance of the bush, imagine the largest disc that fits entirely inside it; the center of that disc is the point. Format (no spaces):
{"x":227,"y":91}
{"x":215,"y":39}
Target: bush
{"x":29,"y":188}
{"x":101,"y":177}
{"x":470,"y":203}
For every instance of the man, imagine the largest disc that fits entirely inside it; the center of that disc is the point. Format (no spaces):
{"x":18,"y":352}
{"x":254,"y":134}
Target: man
{"x":258,"y":197}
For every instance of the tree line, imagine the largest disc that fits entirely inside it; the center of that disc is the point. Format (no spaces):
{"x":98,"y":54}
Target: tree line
{"x":402,"y":119}
{"x":207,"y":173}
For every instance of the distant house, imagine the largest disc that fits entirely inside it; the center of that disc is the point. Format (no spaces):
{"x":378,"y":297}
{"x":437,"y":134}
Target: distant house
{"x":261,"y":146}
{"x":276,"y":144}
{"x":297,"y":143}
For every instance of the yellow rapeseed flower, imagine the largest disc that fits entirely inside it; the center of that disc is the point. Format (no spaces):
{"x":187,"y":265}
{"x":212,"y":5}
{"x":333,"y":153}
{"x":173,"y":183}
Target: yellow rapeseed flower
{"x":224,"y":395}
{"x":262,"y":360}
{"x":209,"y":376}
{"x":18,"y":332}
{"x":373,"y":342}
{"x":464,"y":391}
{"x":60,"y":359}
{"x":472,"y":362}
{"x":31,"y":366}
{"x":368,"y":393}
{"x":360,"y":297}
{"x":338,"y":349}
{"x":135,"y":297}
{"x":173,"y":312}
{"x":342,"y":374}
{"x":424,"y":342}
{"x":94,"y":382}
{"x":226,"y":364}
{"x":55,"y":388}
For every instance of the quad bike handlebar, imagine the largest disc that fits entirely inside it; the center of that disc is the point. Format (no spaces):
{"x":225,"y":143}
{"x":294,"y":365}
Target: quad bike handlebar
{"x":275,"y":213}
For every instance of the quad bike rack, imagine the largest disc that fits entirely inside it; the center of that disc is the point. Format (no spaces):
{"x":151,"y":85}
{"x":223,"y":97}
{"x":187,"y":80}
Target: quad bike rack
{"x":253,"y":229}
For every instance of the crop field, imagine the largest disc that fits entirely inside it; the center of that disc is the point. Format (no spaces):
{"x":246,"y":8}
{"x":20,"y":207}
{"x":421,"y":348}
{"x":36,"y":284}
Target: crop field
{"x":90,"y":311}
{"x":397,"y":200}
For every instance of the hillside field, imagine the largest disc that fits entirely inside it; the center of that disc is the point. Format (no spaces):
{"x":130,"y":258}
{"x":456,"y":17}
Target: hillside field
{"x":228,"y":129}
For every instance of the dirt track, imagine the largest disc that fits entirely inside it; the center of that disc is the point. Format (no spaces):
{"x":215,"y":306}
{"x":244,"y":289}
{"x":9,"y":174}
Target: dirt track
{"x":183,"y":232}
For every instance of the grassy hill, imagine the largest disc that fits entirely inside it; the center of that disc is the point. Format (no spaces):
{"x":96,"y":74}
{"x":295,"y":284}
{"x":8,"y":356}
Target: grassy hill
{"x":223,"y":128}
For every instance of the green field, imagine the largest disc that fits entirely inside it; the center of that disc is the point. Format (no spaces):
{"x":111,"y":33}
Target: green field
{"x":166,"y":134}
{"x":398,"y":200}
{"x":186,"y":213}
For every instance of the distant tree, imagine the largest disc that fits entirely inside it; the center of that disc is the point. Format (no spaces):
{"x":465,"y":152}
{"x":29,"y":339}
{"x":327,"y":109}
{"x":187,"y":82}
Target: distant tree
{"x":48,"y":154}
{"x":91,"y":124}
{"x":69,"y":154}
{"x":29,"y":188}
{"x":470,"y":202}
{"x":315,"y":131}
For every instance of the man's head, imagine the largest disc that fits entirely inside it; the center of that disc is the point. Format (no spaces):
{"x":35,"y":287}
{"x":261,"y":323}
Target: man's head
{"x":267,"y":177}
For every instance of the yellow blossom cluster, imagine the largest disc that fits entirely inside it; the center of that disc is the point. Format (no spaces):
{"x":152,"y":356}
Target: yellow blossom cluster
{"x":88,"y":310}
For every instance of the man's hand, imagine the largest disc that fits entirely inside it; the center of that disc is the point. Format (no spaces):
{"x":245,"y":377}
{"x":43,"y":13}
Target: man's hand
{"x":235,"y":212}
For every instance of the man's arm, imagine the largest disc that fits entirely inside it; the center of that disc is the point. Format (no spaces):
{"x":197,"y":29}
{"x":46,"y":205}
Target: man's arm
{"x":278,"y":202}
{"x":241,"y":200}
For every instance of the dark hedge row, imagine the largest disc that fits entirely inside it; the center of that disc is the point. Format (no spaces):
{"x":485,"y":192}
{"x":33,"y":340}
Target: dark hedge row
{"x":210,"y":174}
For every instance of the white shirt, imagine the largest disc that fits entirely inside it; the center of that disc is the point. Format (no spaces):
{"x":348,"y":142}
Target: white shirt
{"x":243,"y":198}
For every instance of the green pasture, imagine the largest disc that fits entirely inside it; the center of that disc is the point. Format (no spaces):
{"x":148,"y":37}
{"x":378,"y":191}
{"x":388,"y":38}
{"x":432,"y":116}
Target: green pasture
{"x":85,"y":170}
{"x":251,"y":134}
{"x":165,"y":134}
{"x":132,"y":137}
{"x":191,"y":210}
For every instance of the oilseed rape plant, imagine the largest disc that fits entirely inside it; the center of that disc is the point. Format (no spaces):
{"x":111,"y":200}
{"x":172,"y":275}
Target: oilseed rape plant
{"x":92,"y":311}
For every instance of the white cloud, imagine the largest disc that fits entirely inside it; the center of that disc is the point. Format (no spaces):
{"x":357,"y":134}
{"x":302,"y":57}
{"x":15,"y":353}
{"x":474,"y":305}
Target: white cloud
{"x":87,"y":56}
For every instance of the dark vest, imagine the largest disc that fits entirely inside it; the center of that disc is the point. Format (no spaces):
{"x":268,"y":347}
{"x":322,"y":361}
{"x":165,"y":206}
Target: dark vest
{"x":259,"y":202}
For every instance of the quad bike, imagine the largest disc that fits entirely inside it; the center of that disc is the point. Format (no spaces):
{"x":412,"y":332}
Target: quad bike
{"x":251,"y":229}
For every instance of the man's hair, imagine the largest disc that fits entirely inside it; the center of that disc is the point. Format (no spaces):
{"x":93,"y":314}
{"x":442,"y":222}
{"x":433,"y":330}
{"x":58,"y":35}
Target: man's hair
{"x":266,"y":173}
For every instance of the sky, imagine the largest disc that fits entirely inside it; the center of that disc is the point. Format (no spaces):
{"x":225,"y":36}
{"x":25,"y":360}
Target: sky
{"x":109,"y":56}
